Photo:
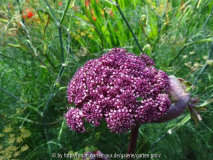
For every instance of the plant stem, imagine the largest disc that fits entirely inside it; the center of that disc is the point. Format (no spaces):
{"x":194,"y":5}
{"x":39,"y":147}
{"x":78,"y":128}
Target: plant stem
{"x":11,"y":95}
{"x":187,"y":37}
{"x":61,"y":130}
{"x":6,"y":56}
{"x":177,"y":56}
{"x":61,"y":44}
{"x":59,"y":31}
{"x":127,"y":23}
{"x":205,"y":66}
{"x":48,"y":5}
{"x":28,"y":105}
{"x":133,"y":141}
{"x":65,"y":11}
{"x":208,"y":18}
{"x":59,"y":24}
{"x":36,"y":56}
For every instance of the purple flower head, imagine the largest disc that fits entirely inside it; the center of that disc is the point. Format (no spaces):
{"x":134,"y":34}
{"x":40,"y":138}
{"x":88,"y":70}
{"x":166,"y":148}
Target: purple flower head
{"x":120,"y":87}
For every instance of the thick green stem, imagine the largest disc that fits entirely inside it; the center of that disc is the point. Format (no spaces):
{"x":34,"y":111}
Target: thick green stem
{"x":59,"y":31}
{"x":61,"y":44}
{"x":65,"y":11}
{"x":51,"y":11}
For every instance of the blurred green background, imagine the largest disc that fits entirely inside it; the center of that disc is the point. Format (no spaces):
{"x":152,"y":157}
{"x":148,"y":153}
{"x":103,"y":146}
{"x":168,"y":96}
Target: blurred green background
{"x":44,"y":42}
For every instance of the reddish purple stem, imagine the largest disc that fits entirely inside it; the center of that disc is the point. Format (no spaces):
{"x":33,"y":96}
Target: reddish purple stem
{"x":133,"y":141}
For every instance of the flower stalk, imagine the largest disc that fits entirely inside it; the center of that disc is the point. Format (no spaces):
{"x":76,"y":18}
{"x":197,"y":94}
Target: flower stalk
{"x":133,"y":141}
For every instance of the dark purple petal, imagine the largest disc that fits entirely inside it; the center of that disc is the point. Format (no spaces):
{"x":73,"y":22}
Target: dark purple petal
{"x":120,"y":87}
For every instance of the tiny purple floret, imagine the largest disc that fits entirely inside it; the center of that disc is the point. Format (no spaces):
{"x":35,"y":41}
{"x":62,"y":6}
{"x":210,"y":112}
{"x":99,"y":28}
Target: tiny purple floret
{"x":120,"y":87}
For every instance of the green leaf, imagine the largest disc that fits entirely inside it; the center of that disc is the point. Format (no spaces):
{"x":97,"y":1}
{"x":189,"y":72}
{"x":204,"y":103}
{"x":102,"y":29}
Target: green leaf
{"x":200,"y":41}
{"x":207,"y":102}
{"x":18,"y":46}
{"x":186,"y":119}
{"x":111,"y":2}
{"x":62,"y":88}
{"x":200,"y":109}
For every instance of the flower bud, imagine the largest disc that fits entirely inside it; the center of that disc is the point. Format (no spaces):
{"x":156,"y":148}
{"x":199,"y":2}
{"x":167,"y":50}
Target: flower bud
{"x":180,"y":98}
{"x":177,"y":89}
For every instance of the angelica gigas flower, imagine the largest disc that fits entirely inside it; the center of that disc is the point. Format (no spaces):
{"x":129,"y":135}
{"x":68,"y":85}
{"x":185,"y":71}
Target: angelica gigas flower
{"x":120,"y":87}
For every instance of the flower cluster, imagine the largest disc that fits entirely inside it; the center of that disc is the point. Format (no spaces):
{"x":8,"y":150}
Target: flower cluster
{"x":120,"y":87}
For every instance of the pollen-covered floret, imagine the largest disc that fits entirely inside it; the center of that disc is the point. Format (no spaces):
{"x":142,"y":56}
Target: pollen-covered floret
{"x":120,"y":87}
